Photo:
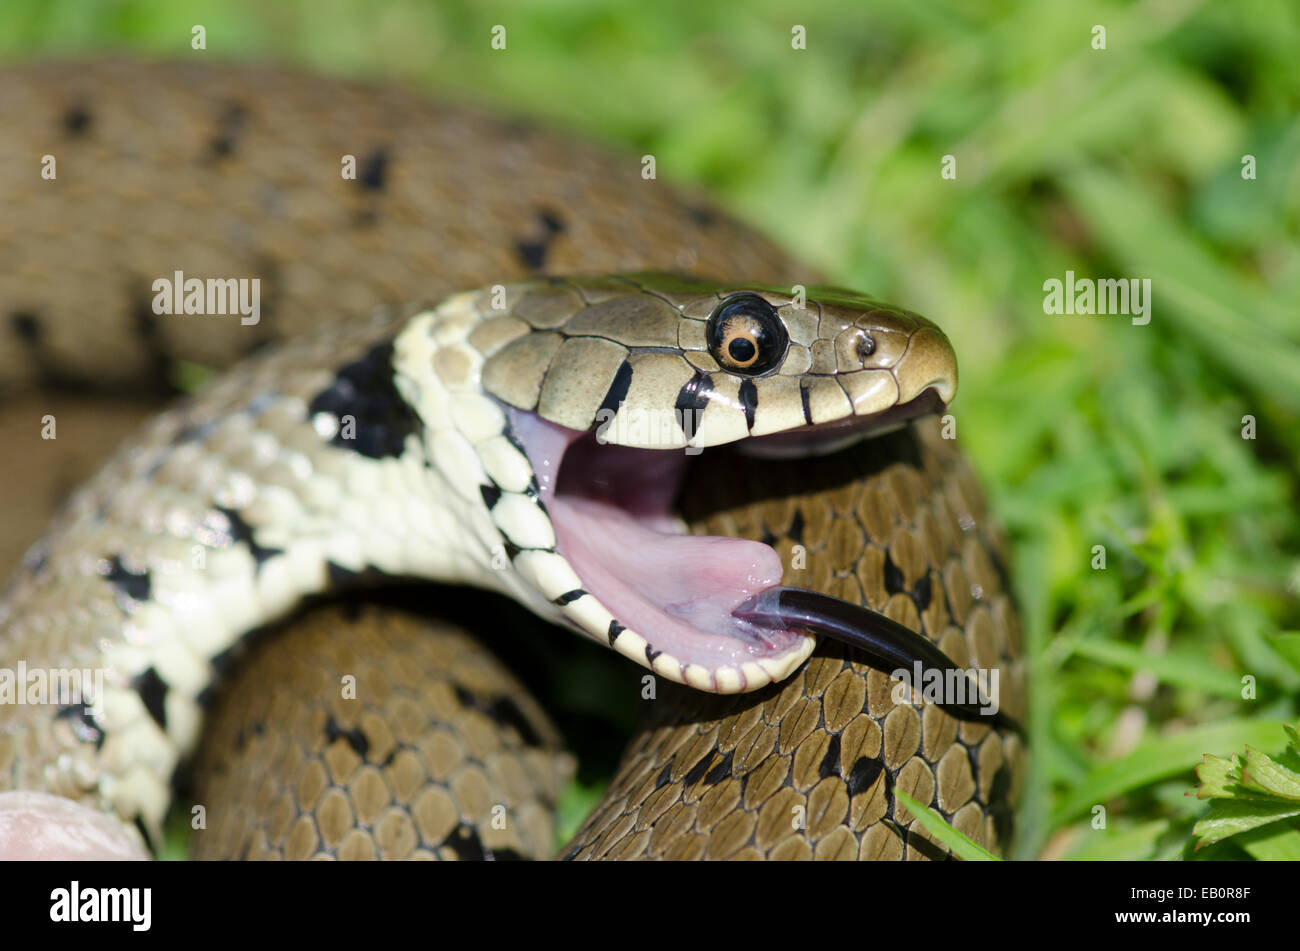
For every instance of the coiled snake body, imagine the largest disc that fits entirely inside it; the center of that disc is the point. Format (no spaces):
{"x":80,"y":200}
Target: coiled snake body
{"x":535,"y":437}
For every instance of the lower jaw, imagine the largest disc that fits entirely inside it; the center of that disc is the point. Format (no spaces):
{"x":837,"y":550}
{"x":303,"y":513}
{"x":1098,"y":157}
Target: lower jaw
{"x":681,"y":589}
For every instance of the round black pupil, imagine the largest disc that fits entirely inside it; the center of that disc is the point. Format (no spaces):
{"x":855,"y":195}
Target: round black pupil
{"x":742,"y":350}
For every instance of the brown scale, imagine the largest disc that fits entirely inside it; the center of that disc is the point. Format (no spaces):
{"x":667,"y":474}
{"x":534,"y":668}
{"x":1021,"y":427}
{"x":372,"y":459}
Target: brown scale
{"x":808,"y":768}
{"x":438,"y":753}
{"x":236,"y":172}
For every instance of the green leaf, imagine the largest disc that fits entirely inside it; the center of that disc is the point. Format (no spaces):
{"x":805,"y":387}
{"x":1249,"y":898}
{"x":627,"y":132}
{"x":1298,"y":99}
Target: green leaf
{"x":1227,"y":817}
{"x":1220,"y":778}
{"x":1279,"y":842}
{"x":961,"y":845}
{"x":1262,"y":772}
{"x":1159,"y":759}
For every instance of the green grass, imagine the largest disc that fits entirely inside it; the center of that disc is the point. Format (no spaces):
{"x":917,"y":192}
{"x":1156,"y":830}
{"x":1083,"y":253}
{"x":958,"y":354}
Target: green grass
{"x":961,"y":845}
{"x":1088,"y":431}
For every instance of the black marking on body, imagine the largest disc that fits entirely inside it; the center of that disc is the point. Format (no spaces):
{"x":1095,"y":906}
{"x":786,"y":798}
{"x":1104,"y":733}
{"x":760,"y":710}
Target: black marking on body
{"x":805,"y":402}
{"x":923,"y":593}
{"x":83,"y":723}
{"x":153,"y":694}
{"x":512,"y":550}
{"x":617,"y":392}
{"x":353,"y":737}
{"x":693,"y":398}
{"x":796,"y":526}
{"x":76,"y":120}
{"x":569,"y":597}
{"x":749,"y":401}
{"x":491,"y":495}
{"x":665,"y":776}
{"x":615,"y":629}
{"x":223,"y":662}
{"x":341,"y":578}
{"x":464,"y":841}
{"x":894,"y":581}
{"x":364,"y":390}
{"x":230,"y":124}
{"x":698,"y":771}
{"x":144,"y":833}
{"x":30,"y":332}
{"x":241,"y":531}
{"x":374,"y":170}
{"x":651,"y":654}
{"x":513,"y":438}
{"x":504,"y":711}
{"x":702,"y":215}
{"x":863,"y":774}
{"x":134,"y":585}
{"x":532,"y":251}
{"x":830,"y":764}
{"x":26,"y":326}
{"x":146,"y":331}
{"x":722,"y":769}
{"x":550,"y":221}
{"x":241,"y":738}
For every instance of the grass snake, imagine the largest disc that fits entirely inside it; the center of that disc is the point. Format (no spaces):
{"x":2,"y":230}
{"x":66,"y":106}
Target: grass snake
{"x":554,"y":437}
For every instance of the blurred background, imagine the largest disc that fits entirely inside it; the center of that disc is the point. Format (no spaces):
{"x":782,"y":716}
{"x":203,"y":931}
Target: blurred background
{"x":1122,"y":162}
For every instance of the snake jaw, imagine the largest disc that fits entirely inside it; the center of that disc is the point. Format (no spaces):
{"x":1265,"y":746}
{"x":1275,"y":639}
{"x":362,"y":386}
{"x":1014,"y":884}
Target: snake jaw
{"x":681,"y":605}
{"x":654,"y":594}
{"x":626,"y":574}
{"x":596,"y":403}
{"x":825,"y":438}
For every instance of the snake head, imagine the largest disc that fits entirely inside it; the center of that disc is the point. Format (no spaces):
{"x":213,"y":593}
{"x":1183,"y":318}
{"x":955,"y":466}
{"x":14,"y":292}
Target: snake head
{"x":582,"y":401}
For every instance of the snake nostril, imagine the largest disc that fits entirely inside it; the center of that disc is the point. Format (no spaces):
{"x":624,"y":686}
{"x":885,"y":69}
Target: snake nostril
{"x":866,"y":346}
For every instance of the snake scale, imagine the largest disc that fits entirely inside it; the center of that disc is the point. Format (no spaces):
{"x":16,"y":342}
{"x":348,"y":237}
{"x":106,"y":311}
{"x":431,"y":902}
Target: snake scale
{"x":433,"y":391}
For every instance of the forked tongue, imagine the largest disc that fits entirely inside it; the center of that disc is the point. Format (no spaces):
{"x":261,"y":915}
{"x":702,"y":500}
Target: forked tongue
{"x":886,"y":642}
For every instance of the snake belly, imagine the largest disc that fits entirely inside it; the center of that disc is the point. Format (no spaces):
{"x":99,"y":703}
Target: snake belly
{"x":229,"y":510}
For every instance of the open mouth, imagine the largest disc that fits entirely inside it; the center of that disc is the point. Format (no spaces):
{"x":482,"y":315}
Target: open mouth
{"x":613,"y":510}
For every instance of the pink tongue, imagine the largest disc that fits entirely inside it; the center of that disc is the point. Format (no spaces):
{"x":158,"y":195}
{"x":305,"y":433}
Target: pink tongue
{"x":677,"y":591}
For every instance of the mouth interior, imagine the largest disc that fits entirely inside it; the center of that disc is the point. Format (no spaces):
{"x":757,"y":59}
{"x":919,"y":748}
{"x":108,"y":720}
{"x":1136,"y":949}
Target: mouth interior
{"x":613,"y":512}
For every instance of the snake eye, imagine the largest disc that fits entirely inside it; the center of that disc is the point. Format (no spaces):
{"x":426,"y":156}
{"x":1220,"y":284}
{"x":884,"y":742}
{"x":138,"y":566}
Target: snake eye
{"x":746,"y":336}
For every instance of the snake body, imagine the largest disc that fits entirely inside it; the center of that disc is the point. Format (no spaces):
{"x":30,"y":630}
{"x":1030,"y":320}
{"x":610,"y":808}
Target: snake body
{"x":444,"y":441}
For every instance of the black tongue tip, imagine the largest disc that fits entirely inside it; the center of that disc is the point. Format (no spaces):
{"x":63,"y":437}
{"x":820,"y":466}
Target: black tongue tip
{"x":888,"y":644}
